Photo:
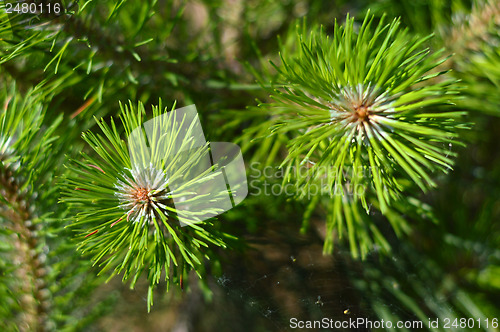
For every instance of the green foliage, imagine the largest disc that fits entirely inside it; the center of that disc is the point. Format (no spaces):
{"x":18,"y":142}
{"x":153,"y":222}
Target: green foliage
{"x":361,"y":118}
{"x":366,"y":118}
{"x":469,"y":30}
{"x":34,"y":254}
{"x":122,"y":229}
{"x":474,"y":39}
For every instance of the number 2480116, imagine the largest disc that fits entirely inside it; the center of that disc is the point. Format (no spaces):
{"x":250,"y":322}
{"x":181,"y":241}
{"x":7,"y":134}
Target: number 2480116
{"x":33,"y":8}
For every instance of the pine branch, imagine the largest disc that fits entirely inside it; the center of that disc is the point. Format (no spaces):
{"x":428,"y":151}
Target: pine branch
{"x":101,"y":53}
{"x":122,"y":199}
{"x":31,"y":269}
{"x":41,"y":277}
{"x":18,"y":211}
{"x":366,"y":119}
{"x":474,"y":38}
{"x":471,"y":32}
